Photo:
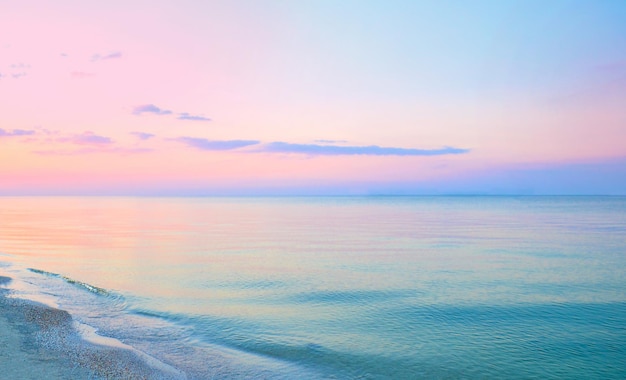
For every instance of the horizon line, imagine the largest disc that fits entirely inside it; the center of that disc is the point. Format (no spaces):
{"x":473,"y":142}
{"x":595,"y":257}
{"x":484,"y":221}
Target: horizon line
{"x":303,"y":195}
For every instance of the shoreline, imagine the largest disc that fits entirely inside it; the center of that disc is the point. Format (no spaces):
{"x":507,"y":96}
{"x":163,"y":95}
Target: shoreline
{"x":39,"y":341}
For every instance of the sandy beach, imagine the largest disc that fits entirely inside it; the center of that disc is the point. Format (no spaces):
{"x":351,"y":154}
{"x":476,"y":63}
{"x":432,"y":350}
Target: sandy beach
{"x":41,"y":342}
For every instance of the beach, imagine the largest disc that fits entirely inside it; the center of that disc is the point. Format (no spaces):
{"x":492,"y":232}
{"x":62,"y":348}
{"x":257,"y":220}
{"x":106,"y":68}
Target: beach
{"x":41,"y":342}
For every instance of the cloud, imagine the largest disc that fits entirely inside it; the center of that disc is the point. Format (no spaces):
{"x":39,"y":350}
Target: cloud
{"x":150,"y":108}
{"x":88,"y":138}
{"x":52,"y":137}
{"x":205,"y":144}
{"x":16,"y":132}
{"x":76,"y":152}
{"x":186,"y":116}
{"x":371,"y":150}
{"x":142,"y":135}
{"x":323,"y":141}
{"x":84,"y":143}
{"x":113,"y":55}
{"x":314,"y":149}
{"x":16,"y":70}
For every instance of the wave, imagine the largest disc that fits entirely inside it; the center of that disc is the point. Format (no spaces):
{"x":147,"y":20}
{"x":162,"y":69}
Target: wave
{"x":306,"y":354}
{"x":39,"y":271}
{"x":170,"y":317}
{"x":91,"y":288}
{"x":57,"y":336}
{"x":349,"y":297}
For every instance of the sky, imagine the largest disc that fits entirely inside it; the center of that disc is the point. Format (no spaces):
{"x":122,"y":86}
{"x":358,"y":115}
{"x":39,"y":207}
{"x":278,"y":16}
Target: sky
{"x":341,"y":97}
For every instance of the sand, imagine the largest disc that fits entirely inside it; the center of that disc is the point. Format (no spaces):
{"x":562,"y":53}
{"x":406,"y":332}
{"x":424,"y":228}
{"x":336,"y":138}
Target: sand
{"x":41,"y":342}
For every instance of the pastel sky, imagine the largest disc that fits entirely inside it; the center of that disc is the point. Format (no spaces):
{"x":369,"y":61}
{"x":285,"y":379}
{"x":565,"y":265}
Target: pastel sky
{"x":312,"y":97}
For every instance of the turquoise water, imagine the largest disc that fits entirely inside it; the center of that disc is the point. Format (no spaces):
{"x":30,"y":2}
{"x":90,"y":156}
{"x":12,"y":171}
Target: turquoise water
{"x":363,"y":287}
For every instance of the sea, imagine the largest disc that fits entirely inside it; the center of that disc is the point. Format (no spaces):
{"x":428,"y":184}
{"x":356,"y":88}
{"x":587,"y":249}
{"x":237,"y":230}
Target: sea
{"x":372,"y":287}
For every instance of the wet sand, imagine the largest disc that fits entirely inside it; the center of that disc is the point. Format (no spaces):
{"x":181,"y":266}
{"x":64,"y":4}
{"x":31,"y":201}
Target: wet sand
{"x":41,"y":342}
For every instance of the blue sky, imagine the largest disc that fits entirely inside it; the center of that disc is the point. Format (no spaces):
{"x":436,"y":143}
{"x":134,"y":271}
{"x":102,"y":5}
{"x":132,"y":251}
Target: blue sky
{"x":312,"y":97}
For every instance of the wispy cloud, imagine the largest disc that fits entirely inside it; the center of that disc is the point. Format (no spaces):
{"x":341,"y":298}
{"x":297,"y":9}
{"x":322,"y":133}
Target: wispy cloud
{"x":323,"y":141}
{"x":60,"y":144}
{"x":186,"y":116}
{"x":112,"y":55}
{"x":77,"y":152}
{"x":150,"y":108}
{"x":142,"y":135}
{"x":314,"y":149}
{"x":16,"y":132}
{"x":371,"y":150}
{"x":205,"y":144}
{"x":88,"y":138}
{"x":51,"y":137}
{"x":15,"y":70}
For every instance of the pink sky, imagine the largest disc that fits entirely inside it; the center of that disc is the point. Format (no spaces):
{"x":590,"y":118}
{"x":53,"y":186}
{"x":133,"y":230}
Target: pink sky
{"x":312,"y":97}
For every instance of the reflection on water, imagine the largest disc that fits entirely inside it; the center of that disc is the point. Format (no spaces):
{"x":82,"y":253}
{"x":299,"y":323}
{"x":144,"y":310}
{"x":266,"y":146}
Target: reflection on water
{"x":348,"y":287}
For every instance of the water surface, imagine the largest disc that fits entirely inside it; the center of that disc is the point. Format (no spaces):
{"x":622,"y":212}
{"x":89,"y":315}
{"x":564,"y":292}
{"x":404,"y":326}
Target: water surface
{"x":346,"y":287}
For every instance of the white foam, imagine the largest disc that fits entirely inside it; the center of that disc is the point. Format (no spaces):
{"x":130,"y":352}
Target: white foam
{"x":90,"y":334}
{"x":24,"y":289}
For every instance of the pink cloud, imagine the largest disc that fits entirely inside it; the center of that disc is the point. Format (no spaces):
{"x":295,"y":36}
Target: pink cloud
{"x":87,"y":138}
{"x":16,"y":132}
{"x":76,"y":152}
{"x":113,"y":55}
{"x":186,"y":116}
{"x":150,"y":108}
{"x":142,"y":135}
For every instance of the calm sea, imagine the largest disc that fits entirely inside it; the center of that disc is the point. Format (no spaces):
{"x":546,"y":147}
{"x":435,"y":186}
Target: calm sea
{"x":336,"y":287}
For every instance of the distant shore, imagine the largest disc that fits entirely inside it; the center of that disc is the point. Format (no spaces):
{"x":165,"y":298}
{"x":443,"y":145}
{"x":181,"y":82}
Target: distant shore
{"x":41,"y":342}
